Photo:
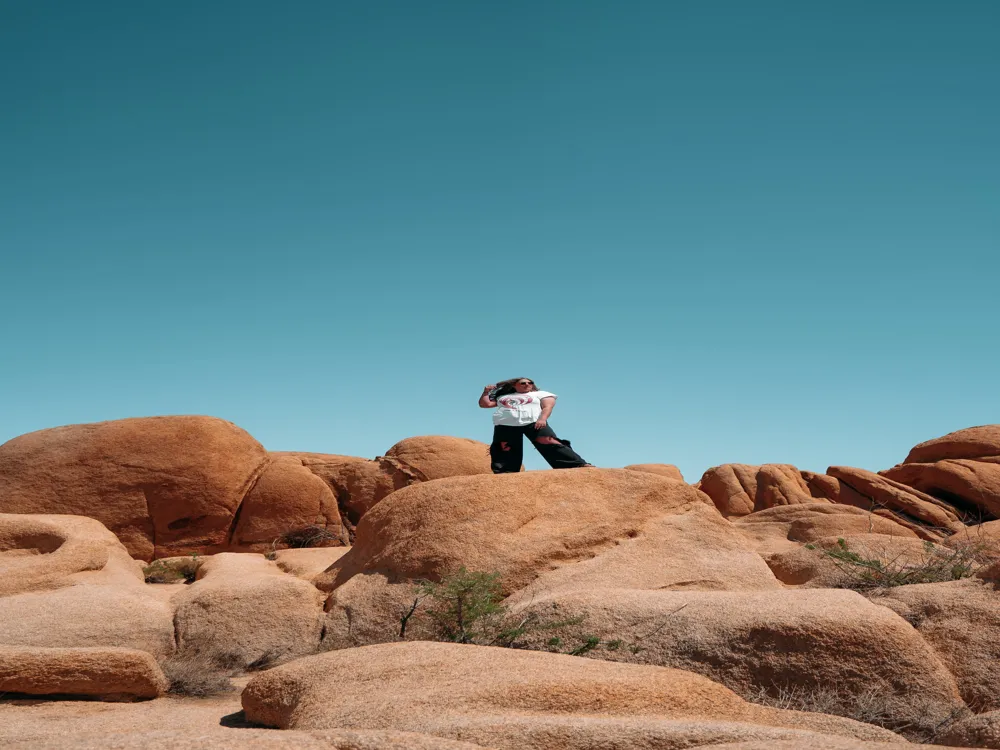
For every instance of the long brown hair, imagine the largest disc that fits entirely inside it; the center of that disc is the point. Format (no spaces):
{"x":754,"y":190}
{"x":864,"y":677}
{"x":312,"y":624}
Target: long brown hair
{"x":507,"y":386}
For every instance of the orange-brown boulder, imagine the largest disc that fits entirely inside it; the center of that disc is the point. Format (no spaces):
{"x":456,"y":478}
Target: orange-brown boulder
{"x":664,"y":470}
{"x":542,"y":532}
{"x":961,"y":622}
{"x":781,"y":484}
{"x":66,"y":582}
{"x":766,"y":642}
{"x":970,"y":486}
{"x":244,"y":609}
{"x":308,"y":562}
{"x":787,"y":527}
{"x":162,"y":485}
{"x":357,"y":482}
{"x":514,"y":524}
{"x":906,"y":503}
{"x":692,"y":548}
{"x":287,"y":497}
{"x":108,"y":673}
{"x":507,"y":698}
{"x":973,"y":731}
{"x":440,"y":456}
{"x":88,"y":615}
{"x":817,"y":565}
{"x":732,"y":487}
{"x":973,"y":442}
{"x":740,"y":489}
{"x":42,"y":552}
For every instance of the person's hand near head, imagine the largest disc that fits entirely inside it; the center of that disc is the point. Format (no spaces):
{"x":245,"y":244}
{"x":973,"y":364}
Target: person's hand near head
{"x":485,"y":401}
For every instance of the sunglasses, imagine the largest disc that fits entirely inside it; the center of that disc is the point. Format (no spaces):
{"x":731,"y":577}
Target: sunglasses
{"x":525,"y":382}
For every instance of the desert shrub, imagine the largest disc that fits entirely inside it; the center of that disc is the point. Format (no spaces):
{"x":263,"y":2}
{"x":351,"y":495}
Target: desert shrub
{"x":467,"y":607}
{"x":874,"y":705}
{"x":307,"y":536}
{"x":172,"y":571}
{"x":464,"y":607}
{"x":197,"y":675}
{"x":935,"y":565}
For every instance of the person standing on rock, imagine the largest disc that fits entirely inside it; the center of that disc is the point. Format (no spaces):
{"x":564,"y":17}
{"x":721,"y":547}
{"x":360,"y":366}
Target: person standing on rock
{"x":522,"y":409}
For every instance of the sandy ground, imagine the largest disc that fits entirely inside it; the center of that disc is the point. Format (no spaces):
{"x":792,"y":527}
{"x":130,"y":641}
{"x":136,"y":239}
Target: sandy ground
{"x":29,"y":721}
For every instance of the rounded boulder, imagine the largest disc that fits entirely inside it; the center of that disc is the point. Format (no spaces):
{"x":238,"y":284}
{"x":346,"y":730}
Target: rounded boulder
{"x":163,"y":485}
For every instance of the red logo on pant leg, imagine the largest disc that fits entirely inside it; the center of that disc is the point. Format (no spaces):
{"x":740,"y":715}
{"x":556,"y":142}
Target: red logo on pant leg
{"x":504,"y":447}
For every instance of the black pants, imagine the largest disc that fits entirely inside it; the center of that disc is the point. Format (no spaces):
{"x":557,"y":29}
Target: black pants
{"x":507,"y":449}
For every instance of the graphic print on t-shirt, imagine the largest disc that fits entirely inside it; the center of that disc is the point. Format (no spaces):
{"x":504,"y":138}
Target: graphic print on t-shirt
{"x":512,"y":402}
{"x":520,"y":408}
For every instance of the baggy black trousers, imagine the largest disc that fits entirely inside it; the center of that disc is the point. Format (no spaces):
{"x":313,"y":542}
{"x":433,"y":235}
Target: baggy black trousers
{"x":507,"y":448}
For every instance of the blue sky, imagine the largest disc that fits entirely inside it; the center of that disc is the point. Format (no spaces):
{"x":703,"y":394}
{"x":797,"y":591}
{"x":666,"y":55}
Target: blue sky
{"x":721,"y":231}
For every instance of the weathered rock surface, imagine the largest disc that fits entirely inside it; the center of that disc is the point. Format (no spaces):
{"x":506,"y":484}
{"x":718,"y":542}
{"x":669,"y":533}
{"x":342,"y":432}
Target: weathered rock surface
{"x":961,"y":622}
{"x":254,"y":739}
{"x":961,"y":470}
{"x":308,"y":563}
{"x":518,"y":525}
{"x":972,"y":442}
{"x":906,"y":503}
{"x":975,"y":731}
{"x":802,"y":641}
{"x":972,"y":487}
{"x":88,"y":615}
{"x":244,"y":610}
{"x":162,"y":485}
{"x":781,"y":484}
{"x":692,"y":548}
{"x":42,"y":552}
{"x":665,"y":470}
{"x":507,"y":698}
{"x":786,"y":528}
{"x":740,"y":489}
{"x":286,"y":497}
{"x":732,"y":487}
{"x":179,"y":723}
{"x":109,"y":673}
{"x":440,"y":456}
{"x":809,"y":565}
{"x":357,"y":482}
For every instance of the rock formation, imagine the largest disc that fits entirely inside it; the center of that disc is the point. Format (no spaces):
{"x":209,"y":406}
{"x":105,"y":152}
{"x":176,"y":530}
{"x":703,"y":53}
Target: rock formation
{"x":645,"y":611}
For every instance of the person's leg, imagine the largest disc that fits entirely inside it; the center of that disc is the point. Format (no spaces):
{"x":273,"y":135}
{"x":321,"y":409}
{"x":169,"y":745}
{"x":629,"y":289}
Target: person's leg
{"x":506,"y":450}
{"x":557,"y":452}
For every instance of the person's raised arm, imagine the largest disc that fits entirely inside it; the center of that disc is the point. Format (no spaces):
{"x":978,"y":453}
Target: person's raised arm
{"x":485,"y":401}
{"x":548,"y":403}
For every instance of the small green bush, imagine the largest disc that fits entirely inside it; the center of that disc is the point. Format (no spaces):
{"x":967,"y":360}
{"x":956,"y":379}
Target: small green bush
{"x":936,"y":565}
{"x":467,"y":607}
{"x":175,"y":571}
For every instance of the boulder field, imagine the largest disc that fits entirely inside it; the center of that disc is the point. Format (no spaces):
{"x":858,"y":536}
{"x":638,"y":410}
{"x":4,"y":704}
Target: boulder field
{"x":168,"y":486}
{"x":416,"y":600}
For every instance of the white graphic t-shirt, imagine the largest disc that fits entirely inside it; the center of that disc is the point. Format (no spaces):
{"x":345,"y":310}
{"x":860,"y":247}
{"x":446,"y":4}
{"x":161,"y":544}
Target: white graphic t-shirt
{"x":516,"y":409}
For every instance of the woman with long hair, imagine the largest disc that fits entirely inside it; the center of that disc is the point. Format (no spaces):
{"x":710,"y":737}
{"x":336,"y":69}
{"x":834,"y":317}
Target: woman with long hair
{"x":522,"y":409}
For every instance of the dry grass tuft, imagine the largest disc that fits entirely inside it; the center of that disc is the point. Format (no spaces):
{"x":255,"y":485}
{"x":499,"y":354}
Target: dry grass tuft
{"x":197,"y":676}
{"x":874,"y":705}
{"x":308,"y":536}
{"x":173,"y":570}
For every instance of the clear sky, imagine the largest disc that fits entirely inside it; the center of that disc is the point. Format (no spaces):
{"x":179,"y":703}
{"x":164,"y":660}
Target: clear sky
{"x":722,"y":231}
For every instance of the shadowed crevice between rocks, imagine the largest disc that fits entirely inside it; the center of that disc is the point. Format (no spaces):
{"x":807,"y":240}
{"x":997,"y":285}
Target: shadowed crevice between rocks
{"x":251,"y":483}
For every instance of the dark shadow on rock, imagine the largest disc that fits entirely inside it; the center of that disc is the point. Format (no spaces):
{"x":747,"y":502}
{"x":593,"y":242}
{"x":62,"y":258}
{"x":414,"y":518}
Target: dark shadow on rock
{"x":239,"y":720}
